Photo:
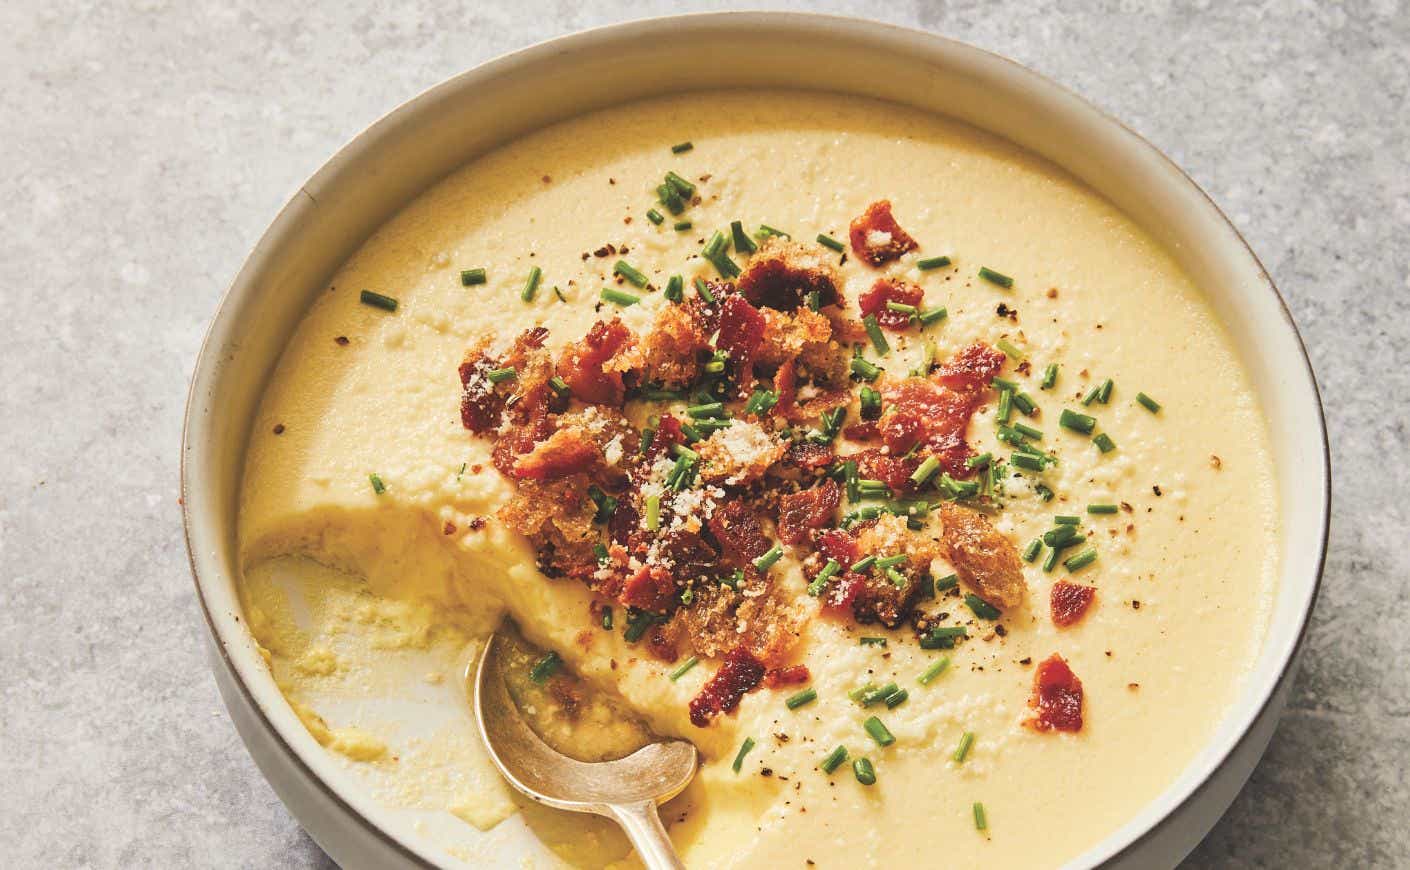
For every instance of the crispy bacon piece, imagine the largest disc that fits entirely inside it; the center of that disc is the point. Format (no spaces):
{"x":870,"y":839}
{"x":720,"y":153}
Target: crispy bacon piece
{"x":567,"y":451}
{"x":583,"y":366}
{"x":809,"y":456}
{"x":741,"y":332}
{"x":876,"y":237}
{"x":668,"y":434}
{"x":1057,"y":696}
{"x":841,"y":593}
{"x":985,"y":559}
{"x":935,"y":417}
{"x":970,"y":369}
{"x":867,"y":430}
{"x":838,"y":544}
{"x":482,"y":402}
{"x":873,"y":302}
{"x":650,"y":588}
{"x":739,"y":532}
{"x":792,"y":675}
{"x":889,"y":468}
{"x":740,"y":673}
{"x":781,"y":274}
{"x":1069,"y":602}
{"x":807,"y":509}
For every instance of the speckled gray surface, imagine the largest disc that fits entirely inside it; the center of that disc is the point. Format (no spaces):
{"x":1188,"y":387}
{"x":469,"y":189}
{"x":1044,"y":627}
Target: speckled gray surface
{"x":144,"y":146}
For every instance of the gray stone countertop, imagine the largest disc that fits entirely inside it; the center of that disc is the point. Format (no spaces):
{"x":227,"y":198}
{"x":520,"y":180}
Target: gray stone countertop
{"x":145,"y":145}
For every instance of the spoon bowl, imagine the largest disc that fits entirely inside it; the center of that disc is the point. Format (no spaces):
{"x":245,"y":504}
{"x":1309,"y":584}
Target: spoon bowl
{"x":627,"y":789}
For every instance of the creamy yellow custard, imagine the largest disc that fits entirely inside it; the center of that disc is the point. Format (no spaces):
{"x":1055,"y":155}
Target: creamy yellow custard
{"x":1185,"y":569}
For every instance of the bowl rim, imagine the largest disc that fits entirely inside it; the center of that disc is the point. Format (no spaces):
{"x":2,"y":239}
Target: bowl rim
{"x":1120,"y":840}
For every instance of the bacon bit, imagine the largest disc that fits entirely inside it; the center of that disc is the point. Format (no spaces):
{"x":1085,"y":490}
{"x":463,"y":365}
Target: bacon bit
{"x":807,"y":509}
{"x":838,"y":544}
{"x":476,"y":523}
{"x":1057,"y":696}
{"x":668,"y":434}
{"x":809,"y":456}
{"x":480,"y":404}
{"x":842,"y":592}
{"x":984,"y":558}
{"x":876,"y":237}
{"x":650,"y":588}
{"x":789,"y":676}
{"x":567,"y":451}
{"x":781,"y":274}
{"x":972,"y":368}
{"x":740,"y":673}
{"x":867,"y":430}
{"x":584,"y":366}
{"x":740,"y":534}
{"x":660,"y":646}
{"x":449,"y":528}
{"x":877,"y":464}
{"x":786,"y":385}
{"x":873,"y":302}
{"x":1069,"y":602}
{"x":741,"y":331}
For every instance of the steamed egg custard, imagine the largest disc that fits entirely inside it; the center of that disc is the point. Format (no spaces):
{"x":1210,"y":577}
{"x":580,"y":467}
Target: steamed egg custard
{"x":894,"y":468}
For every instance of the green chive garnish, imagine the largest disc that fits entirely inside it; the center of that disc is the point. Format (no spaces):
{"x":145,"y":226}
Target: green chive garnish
{"x":377,"y":300}
{"x":531,"y":284}
{"x":936,"y":669}
{"x":685,"y":667}
{"x":871,"y":403}
{"x":675,"y":289}
{"x":925,"y":471}
{"x":1060,"y":536}
{"x":681,"y":226}
{"x":766,"y":561}
{"x":1005,"y":409}
{"x":377,"y":485}
{"x":892,"y":561}
{"x":1049,"y":376}
{"x":744,"y":748}
{"x":1028,"y":461}
{"x":980,"y":821}
{"x":710,"y":409}
{"x":680,"y":185}
{"x":1051,"y":561}
{"x":742,"y":242}
{"x":1009,"y":349}
{"x":681,"y":149}
{"x":1031,"y":551}
{"x":896,"y":699}
{"x":545,"y":668}
{"x":949,"y":581}
{"x":1104,"y":391}
{"x":559,"y":294}
{"x":1025,"y":429}
{"x":626,"y":270}
{"x":834,"y":759}
{"x":471,"y":277}
{"x":864,"y":772}
{"x":499,"y":376}
{"x":877,"y":695}
{"x":872,"y":641}
{"x":980,"y":607}
{"x":1067,"y":520}
{"x":655,"y":216}
{"x":879,"y":732}
{"x":1102,"y":508}
{"x":979,"y":461}
{"x":764,"y":231}
{"x":1044,"y":491}
{"x":619,"y":297}
{"x":865,"y":370}
{"x":878,"y":340}
{"x":863,"y":565}
{"x":607,"y":618}
{"x":995,"y":277}
{"x":653,"y":512}
{"x":966,"y":741}
{"x":1148,"y":403}
{"x":1077,"y":422}
{"x":829,"y":242}
{"x":807,"y":696}
{"x":1081,"y":560}
{"x":901,"y":308}
{"x":932,"y":263}
{"x":926,"y":318}
{"x":1025,"y":404}
{"x":830,"y":570}
{"x":670,"y":198}
{"x":1104,"y":443}
{"x":702,"y":288}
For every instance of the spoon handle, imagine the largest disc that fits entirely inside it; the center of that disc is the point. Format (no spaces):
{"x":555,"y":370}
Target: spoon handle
{"x":643,"y":825}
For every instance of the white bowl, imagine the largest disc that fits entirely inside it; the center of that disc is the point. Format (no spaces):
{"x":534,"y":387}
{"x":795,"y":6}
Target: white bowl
{"x":400,"y":156}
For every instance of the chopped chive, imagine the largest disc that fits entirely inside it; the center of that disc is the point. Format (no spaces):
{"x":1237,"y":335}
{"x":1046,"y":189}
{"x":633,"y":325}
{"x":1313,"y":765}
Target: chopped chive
{"x":675,"y":289}
{"x":1059,"y":536}
{"x":966,"y":741}
{"x":714,"y":245}
{"x":471,"y":277}
{"x":702,"y":288}
{"x":1010,"y":350}
{"x":873,"y":488}
{"x":681,"y":148}
{"x":865,"y":370}
{"x":742,"y":242}
{"x":829,"y":242}
{"x":619,"y":297}
{"x":1005,"y":409}
{"x":901,"y":308}
{"x":744,"y":748}
{"x":1077,"y":422}
{"x":760,"y":402}
{"x":724,"y":265}
{"x":545,"y":667}
{"x":1049,"y":376}
{"x":896,"y":577}
{"x":558,"y":385}
{"x":863,"y":565}
{"x":879,"y":732}
{"x":936,"y":669}
{"x":1051,"y":561}
{"x":896,"y":699}
{"x":929,"y":263}
{"x":892,"y":561}
{"x":377,"y":485}
{"x":684,"y":668}
{"x":979,"y":461}
{"x":807,"y":696}
{"x":377,"y":300}
{"x":1102,"y":508}
{"x":942,"y":636}
{"x":766,"y":561}
{"x":1104,"y":443}
{"x":1028,"y":461}
{"x":1043,"y":491}
{"x":607,"y":618}
{"x":1081,"y":560}
{"x":1024,"y":403}
{"x":1092,"y":396}
{"x":926,"y":318}
{"x":980,"y":607}
{"x":1025,"y":429}
{"x":834,"y":759}
{"x":764,"y":231}
{"x":653,"y":512}
{"x":670,"y":198}
{"x":1004,"y":384}
{"x":830,"y":570}
{"x":831,"y":423}
{"x":626,"y":270}
{"x":637,"y":623}
{"x":682,"y":226}
{"x":709,"y":409}
{"x":980,"y":821}
{"x":1031,"y":551}
{"x":499,"y":376}
{"x":864,"y":772}
{"x":947,"y":582}
{"x":685,"y":452}
{"x":680,"y":185}
{"x":1148,"y":403}
{"x":925,"y":471}
{"x":1067,"y":520}
{"x":995,"y":277}
{"x":559,"y":294}
{"x":878,"y":340}
{"x":877,"y":695}
{"x":871,"y":403}
{"x":531,"y":284}
{"x":1104,"y":391}
{"x":655,"y":216}
{"x":814,"y":300}
{"x":872,"y":641}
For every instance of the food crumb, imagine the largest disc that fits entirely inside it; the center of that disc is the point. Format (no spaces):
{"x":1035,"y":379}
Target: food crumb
{"x":278,"y":428}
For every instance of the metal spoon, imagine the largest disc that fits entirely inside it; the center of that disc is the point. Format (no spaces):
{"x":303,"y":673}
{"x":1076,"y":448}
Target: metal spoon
{"x":626,"y":790}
